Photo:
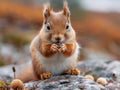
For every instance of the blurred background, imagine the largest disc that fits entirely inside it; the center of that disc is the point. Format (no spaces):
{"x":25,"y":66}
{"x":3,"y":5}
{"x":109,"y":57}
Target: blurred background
{"x":96,"y":22}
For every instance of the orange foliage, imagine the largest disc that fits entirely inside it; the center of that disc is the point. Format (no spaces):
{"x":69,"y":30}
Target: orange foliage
{"x":21,"y":12}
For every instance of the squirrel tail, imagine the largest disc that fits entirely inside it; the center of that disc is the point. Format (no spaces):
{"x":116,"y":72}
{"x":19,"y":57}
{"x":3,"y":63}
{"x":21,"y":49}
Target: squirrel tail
{"x":26,"y":74}
{"x":16,"y":83}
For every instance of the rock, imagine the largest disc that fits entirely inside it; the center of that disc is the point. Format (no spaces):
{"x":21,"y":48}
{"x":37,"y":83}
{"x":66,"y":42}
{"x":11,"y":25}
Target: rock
{"x":102,"y":81}
{"x":64,"y":82}
{"x":16,"y":83}
{"x":93,"y":67}
{"x":106,"y":69}
{"x":6,"y":78}
{"x":100,"y":68}
{"x":89,"y":77}
{"x":14,"y":55}
{"x":114,"y":69}
{"x":113,"y":86}
{"x":69,"y":82}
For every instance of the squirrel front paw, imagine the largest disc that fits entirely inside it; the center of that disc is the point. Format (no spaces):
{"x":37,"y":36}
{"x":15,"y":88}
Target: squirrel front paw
{"x":45,"y":75}
{"x":73,"y":71}
{"x":54,"y":47}
{"x":62,"y":48}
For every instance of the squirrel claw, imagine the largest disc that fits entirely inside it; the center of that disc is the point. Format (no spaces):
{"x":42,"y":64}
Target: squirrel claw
{"x":54,"y":48}
{"x":62,"y":48}
{"x":45,"y":75}
{"x":73,"y":71}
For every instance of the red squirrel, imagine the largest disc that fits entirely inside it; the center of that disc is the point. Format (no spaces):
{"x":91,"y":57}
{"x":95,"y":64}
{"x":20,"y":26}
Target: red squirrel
{"x":54,"y":50}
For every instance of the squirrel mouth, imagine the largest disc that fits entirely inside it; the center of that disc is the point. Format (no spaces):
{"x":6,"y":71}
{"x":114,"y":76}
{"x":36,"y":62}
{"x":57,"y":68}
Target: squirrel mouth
{"x":58,"y":42}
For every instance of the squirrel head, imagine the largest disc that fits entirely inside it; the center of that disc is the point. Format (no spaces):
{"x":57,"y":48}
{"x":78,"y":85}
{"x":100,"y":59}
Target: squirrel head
{"x":57,"y":26}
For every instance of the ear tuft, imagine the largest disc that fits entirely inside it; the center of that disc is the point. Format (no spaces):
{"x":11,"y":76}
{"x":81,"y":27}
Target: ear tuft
{"x":66,"y":10}
{"x":47,"y":10}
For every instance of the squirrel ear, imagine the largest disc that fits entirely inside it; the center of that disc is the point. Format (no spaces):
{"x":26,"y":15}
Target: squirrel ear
{"x":66,"y":10}
{"x":47,"y":10}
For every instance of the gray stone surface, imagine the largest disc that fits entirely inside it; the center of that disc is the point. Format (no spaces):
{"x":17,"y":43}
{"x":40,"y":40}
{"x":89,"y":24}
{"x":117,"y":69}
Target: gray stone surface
{"x":64,"y":82}
{"x":108,"y":69}
{"x":100,"y":68}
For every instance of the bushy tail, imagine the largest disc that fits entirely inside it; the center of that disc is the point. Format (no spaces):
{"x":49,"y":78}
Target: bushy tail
{"x":26,"y":74}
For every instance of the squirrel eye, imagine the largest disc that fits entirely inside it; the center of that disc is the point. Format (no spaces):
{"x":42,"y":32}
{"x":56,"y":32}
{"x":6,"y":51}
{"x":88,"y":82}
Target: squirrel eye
{"x":67,"y":26}
{"x":48,"y":26}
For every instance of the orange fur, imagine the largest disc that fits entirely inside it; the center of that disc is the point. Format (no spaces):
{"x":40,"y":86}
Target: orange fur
{"x":73,"y":71}
{"x":69,"y":49}
{"x":46,"y":50}
{"x":26,"y":74}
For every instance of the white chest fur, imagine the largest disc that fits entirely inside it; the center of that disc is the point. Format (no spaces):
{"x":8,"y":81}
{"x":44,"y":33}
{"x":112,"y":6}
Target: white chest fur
{"x":58,"y":63}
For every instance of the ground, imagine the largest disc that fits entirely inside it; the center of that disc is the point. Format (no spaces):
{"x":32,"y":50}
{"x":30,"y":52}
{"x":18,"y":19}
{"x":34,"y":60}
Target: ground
{"x":108,"y":69}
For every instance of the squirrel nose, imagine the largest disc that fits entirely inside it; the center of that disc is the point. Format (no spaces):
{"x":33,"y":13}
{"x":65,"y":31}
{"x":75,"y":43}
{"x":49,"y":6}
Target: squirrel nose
{"x":58,"y":39}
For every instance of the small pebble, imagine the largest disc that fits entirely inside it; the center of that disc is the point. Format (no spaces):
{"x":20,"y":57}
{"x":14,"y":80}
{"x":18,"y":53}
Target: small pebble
{"x":89,"y":77}
{"x":16,"y":84}
{"x":102,"y":81}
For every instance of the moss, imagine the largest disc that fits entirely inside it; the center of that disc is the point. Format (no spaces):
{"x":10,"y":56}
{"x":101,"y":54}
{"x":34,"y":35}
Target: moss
{"x":2,"y":62}
{"x":2,"y":83}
